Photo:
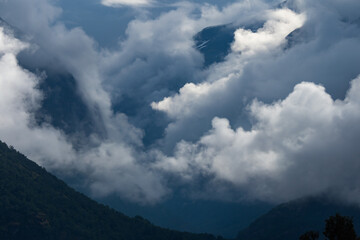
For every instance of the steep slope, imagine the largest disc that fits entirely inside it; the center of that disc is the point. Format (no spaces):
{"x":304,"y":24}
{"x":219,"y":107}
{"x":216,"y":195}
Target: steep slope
{"x":290,"y":220}
{"x":36,"y":205}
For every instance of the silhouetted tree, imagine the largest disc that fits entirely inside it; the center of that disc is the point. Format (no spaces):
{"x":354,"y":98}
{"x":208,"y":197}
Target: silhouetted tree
{"x":339,"y":228}
{"x":311,"y":235}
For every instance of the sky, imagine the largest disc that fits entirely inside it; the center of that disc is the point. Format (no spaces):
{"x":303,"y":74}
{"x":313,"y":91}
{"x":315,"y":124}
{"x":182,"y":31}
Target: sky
{"x":276,"y":120}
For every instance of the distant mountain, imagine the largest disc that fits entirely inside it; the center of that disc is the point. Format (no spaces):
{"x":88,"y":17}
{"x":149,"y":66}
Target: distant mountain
{"x":290,"y":220}
{"x":197,"y":215}
{"x":215,"y":42}
{"x":36,"y":205}
{"x":61,"y":106}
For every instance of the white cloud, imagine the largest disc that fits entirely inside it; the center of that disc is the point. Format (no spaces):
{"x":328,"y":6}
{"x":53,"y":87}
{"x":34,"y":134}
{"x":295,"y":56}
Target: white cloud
{"x":191,"y":94}
{"x":112,"y":167}
{"x":280,"y":23}
{"x":133,"y":3}
{"x":293,"y":147}
{"x":302,"y":145}
{"x":19,"y":96}
{"x":214,"y":96}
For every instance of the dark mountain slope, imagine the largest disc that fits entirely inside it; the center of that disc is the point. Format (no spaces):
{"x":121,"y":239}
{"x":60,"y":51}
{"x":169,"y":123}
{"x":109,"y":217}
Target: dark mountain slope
{"x":36,"y":205}
{"x":62,"y":105}
{"x":200,"y":215}
{"x":288,"y":221}
{"x":215,"y":43}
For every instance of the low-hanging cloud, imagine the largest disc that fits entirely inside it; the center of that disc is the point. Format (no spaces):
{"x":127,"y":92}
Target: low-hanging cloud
{"x":302,"y":145}
{"x":212,"y":133}
{"x":119,"y":170}
{"x":257,"y":162}
{"x":269,"y":38}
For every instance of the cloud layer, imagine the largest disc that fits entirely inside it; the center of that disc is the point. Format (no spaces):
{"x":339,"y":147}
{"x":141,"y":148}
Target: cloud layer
{"x":276,"y":120}
{"x":119,"y":170}
{"x":302,"y":145}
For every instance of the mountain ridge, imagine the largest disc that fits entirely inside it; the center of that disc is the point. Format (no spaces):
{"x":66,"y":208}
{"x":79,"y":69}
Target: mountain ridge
{"x":290,"y":220}
{"x":36,"y":205}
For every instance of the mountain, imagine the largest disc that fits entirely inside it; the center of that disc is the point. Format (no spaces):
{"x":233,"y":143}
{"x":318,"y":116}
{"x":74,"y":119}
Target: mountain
{"x":62,"y":105}
{"x":215,"y":42}
{"x":290,"y":220}
{"x":36,"y":205}
{"x":195,"y":215}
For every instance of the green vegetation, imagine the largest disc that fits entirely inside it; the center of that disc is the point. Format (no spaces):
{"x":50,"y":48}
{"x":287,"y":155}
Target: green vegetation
{"x":36,"y":205}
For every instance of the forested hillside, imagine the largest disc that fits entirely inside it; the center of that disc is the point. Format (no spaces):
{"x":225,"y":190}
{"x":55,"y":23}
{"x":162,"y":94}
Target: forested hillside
{"x":36,"y":205}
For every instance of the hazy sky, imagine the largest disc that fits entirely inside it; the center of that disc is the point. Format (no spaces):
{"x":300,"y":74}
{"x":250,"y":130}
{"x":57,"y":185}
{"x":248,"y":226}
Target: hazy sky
{"x":165,"y":122}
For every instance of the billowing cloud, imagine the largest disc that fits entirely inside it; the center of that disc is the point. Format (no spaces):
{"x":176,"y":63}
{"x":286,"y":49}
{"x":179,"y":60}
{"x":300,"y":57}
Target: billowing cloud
{"x":160,"y":115}
{"x":200,"y":102}
{"x":18,"y":97}
{"x":280,"y":24}
{"x":110,"y":166}
{"x":119,"y":3}
{"x":302,"y":145}
{"x":159,"y":57}
{"x":265,"y":159}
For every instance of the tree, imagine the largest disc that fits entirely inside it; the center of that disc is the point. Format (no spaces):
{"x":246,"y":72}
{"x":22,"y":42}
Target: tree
{"x":339,"y":228}
{"x":310,"y":235}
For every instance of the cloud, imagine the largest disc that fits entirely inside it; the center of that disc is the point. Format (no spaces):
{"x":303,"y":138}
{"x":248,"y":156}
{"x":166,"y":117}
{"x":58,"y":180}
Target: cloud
{"x":200,"y":102}
{"x":280,"y":24}
{"x":165,"y":122}
{"x":120,"y":3}
{"x":109,"y":165}
{"x":113,"y":162}
{"x":159,"y":57}
{"x":252,"y":160}
{"x":302,"y":145}
{"x":19,"y":97}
